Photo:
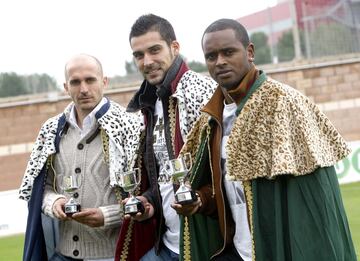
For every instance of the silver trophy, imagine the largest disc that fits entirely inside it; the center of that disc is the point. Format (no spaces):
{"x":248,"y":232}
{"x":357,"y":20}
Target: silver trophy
{"x":129,"y":181}
{"x":178,"y":169}
{"x":70,"y":184}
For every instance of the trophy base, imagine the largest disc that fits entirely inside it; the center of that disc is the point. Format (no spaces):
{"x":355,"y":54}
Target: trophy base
{"x":133,"y":208}
{"x":71,"y":209}
{"x":185,"y":197}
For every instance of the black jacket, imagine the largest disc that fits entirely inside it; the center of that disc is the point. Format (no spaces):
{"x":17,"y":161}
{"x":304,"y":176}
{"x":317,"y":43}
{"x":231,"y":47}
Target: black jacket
{"x":145,"y":100}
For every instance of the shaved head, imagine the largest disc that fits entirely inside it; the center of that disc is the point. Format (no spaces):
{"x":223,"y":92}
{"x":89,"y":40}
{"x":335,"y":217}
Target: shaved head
{"x":83,"y":57}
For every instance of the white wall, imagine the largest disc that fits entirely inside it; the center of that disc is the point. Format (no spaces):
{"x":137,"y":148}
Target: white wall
{"x":13,"y":213}
{"x":348,"y":169}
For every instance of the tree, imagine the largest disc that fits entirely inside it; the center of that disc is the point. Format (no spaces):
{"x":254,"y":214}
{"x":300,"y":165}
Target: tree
{"x":46,"y":83}
{"x":11,"y":85}
{"x":262,"y":49}
{"x":40,"y":83}
{"x":285,"y":47}
{"x":197,"y":66}
{"x":130,"y":67}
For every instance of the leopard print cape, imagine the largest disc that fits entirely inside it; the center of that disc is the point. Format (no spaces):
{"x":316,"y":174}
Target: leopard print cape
{"x":279,"y":131}
{"x":122,"y":128}
{"x":192,"y":92}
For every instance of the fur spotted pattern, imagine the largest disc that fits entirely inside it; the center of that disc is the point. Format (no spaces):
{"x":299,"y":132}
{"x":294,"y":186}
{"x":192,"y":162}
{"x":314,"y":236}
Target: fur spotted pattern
{"x":192,"y":93}
{"x":122,"y":128}
{"x":279,"y":131}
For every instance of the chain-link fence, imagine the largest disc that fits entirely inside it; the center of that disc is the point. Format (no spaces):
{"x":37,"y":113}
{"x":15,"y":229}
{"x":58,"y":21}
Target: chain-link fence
{"x":305,"y":28}
{"x":328,"y":27}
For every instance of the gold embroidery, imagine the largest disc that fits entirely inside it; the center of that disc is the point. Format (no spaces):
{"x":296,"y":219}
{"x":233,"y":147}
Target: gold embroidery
{"x":125,"y":251}
{"x":187,"y":242}
{"x":105,"y":145}
{"x":105,"y":148}
{"x":249,"y":203}
{"x":50,"y":165}
{"x":105,"y":142}
{"x":172,"y":119}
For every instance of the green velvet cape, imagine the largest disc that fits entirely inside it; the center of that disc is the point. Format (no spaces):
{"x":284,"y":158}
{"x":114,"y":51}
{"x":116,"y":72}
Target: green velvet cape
{"x":292,"y":217}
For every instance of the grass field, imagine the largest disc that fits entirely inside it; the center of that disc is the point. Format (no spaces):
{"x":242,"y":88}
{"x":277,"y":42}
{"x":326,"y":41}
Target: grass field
{"x":351,"y":198}
{"x":11,"y":247}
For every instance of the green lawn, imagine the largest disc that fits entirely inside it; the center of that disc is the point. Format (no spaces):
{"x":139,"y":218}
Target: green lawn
{"x":11,"y":247}
{"x":351,"y":198}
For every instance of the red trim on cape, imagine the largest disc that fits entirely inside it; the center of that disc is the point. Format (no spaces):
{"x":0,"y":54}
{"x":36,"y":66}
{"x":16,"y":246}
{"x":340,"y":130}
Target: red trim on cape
{"x":178,"y":143}
{"x":144,"y":233}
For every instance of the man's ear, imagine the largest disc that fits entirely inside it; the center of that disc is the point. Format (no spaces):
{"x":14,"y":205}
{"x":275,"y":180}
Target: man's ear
{"x":250,"y":50}
{"x":66,"y":87}
{"x":105,"y":81}
{"x":175,"y":47}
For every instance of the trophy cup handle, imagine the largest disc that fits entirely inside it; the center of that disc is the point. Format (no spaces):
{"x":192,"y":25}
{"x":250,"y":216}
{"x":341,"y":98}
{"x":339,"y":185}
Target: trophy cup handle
{"x":137,"y":176}
{"x":166,"y":168}
{"x":187,"y":161}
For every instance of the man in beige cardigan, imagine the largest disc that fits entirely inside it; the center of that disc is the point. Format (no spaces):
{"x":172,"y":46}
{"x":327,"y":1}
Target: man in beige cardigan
{"x":90,"y":141}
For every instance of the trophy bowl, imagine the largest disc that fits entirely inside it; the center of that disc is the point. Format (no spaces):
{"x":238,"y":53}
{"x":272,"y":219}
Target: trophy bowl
{"x":178,"y":169}
{"x":70,"y":184}
{"x":129,"y":181}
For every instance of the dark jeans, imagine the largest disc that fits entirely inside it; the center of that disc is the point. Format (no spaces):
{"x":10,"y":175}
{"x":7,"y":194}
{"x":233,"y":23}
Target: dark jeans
{"x":164,"y":255}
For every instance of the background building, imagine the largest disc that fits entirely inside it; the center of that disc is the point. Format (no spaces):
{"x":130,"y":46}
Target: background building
{"x":321,"y":28}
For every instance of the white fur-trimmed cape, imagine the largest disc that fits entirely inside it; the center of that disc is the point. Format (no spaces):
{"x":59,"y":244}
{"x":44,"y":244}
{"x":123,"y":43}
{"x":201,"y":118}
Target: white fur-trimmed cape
{"x":122,"y":128}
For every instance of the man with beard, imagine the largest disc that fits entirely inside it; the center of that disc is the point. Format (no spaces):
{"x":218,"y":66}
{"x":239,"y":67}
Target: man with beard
{"x":170,"y":99}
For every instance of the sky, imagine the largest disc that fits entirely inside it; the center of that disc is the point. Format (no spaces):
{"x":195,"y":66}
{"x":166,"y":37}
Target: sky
{"x":40,"y":36}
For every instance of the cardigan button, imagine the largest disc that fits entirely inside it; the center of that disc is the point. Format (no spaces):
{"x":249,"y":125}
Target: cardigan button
{"x":75,"y":238}
{"x":80,"y":146}
{"x":76,"y":252}
{"x":77,"y":170}
{"x":76,"y":195}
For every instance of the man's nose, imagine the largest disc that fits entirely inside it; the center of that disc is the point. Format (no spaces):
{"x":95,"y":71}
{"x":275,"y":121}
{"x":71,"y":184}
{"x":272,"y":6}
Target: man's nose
{"x":221,"y":60}
{"x":148,"y":60}
{"x":84,"y":87}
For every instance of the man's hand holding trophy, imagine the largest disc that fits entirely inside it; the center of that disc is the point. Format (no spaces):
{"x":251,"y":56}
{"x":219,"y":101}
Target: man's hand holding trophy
{"x":70,"y":184}
{"x":179,"y":169}
{"x":129,"y":181}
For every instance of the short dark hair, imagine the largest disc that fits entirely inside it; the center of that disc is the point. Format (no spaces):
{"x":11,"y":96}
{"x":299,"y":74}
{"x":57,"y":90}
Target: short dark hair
{"x":153,"y":23}
{"x":223,"y":24}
